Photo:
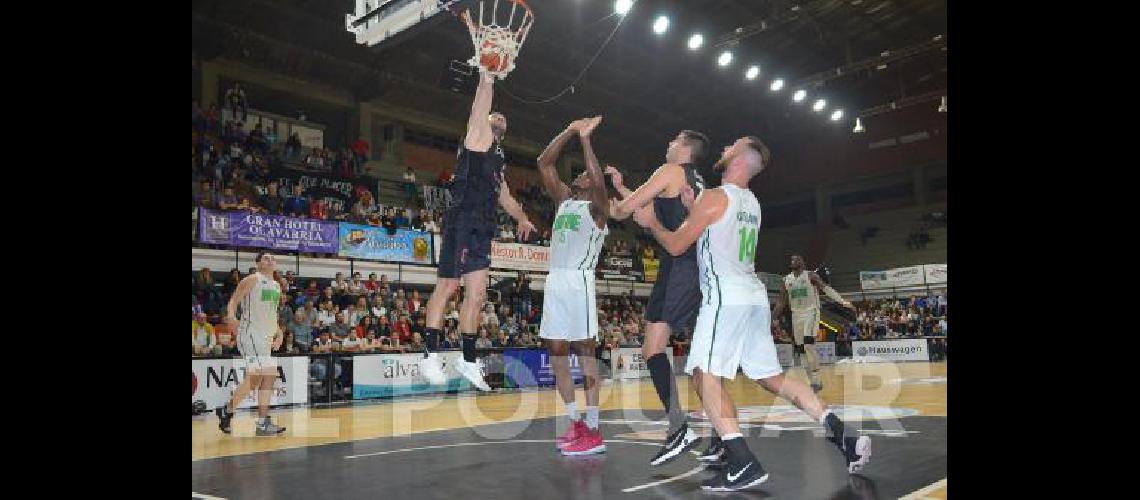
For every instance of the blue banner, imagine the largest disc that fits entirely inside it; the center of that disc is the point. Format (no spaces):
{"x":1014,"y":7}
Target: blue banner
{"x":277,"y":232}
{"x":387,"y":375}
{"x":374,"y":243}
{"x":531,"y":367}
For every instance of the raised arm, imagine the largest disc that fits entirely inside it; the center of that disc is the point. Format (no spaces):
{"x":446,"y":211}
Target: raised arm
{"x":827,"y":290}
{"x":618,"y":181}
{"x":512,"y":207}
{"x":707,"y":209}
{"x":555,"y":188}
{"x":479,"y":134}
{"x":599,"y":202}
{"x":643,"y":196}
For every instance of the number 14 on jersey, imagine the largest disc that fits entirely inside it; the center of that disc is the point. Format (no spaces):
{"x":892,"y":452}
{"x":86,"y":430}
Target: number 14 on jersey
{"x":747,"y":244}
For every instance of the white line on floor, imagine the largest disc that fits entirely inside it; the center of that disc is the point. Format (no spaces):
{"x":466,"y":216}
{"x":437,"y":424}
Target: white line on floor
{"x":921,"y":494}
{"x":481,"y":443}
{"x":204,"y":496}
{"x":663,"y":481}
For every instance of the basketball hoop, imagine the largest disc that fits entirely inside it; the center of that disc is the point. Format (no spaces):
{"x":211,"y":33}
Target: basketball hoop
{"x":497,"y":45}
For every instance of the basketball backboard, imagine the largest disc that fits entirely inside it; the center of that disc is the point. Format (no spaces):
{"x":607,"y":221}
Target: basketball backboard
{"x":377,"y":21}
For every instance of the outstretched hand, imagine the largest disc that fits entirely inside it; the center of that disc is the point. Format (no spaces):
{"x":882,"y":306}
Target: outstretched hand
{"x":577,"y":125}
{"x":589,"y":124}
{"x":524,"y":229}
{"x":615,"y":175}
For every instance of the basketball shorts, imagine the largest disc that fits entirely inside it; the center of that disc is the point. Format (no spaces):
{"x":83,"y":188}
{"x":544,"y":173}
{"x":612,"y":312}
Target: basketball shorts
{"x":804,"y":325}
{"x":676,"y":296}
{"x":732,"y":336}
{"x":466,"y":244}
{"x":569,"y":306}
{"x":255,"y":349}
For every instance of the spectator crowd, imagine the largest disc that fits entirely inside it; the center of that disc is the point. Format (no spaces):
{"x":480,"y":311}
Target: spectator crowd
{"x":915,"y":316}
{"x":353,"y":314}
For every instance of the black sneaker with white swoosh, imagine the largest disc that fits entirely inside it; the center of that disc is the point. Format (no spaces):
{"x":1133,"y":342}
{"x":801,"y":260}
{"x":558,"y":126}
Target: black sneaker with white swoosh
{"x":737,"y":478}
{"x":681,"y":440}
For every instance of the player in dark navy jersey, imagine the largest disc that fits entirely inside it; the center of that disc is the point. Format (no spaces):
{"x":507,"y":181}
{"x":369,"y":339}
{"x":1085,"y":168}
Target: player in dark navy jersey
{"x":676,"y":296}
{"x":469,"y":226}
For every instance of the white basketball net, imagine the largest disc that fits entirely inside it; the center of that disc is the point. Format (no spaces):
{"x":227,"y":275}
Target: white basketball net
{"x":503,"y":40}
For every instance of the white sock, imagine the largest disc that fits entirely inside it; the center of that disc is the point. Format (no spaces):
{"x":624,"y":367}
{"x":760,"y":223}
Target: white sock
{"x":727,"y":437}
{"x":572,"y":410}
{"x":592,"y":417}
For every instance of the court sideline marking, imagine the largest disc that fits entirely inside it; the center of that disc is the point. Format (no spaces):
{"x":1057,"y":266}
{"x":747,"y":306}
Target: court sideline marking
{"x":921,"y":494}
{"x":204,"y":496}
{"x":481,"y":443}
{"x":666,"y":480}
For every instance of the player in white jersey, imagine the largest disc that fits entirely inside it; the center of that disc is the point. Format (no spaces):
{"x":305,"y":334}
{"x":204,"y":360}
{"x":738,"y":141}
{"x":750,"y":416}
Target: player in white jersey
{"x":800,"y":291}
{"x":732,"y":329}
{"x":257,"y":334}
{"x":569,"y":305}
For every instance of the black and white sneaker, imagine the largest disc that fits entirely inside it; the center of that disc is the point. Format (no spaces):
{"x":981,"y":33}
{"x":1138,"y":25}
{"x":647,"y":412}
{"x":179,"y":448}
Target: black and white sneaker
{"x":857,"y":451}
{"x":816,"y":388}
{"x":224,"y":418}
{"x":714,"y":453}
{"x":733,"y":479}
{"x":680,"y":441}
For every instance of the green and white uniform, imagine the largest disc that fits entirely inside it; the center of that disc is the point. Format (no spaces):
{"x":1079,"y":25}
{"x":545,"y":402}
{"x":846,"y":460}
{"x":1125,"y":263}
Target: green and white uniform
{"x":258,"y":323}
{"x":569,"y":302}
{"x":803,"y":299}
{"x":734,"y":323}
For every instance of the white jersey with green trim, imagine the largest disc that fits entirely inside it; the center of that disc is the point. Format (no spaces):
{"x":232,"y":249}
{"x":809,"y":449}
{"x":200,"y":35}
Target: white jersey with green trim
{"x":802,"y":295}
{"x":259,"y":308}
{"x":726,"y":252}
{"x":576,"y":241}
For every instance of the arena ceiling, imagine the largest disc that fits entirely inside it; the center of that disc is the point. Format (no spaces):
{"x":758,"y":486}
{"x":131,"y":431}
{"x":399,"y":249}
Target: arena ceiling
{"x":857,"y":54}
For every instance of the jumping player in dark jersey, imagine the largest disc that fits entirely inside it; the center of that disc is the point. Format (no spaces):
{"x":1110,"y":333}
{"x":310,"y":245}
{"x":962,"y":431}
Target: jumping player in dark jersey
{"x":468,"y":227}
{"x":676,"y":296}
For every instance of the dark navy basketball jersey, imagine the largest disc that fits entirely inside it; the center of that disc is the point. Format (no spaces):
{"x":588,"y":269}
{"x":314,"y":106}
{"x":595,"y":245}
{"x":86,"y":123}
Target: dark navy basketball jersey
{"x":478,"y":176}
{"x":671,"y":212}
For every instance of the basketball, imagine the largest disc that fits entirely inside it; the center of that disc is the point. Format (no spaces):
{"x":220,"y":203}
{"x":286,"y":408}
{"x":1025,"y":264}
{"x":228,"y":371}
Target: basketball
{"x":493,"y":61}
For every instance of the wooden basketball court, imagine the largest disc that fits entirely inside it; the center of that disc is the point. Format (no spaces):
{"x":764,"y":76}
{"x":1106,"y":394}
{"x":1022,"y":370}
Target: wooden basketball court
{"x":502,"y":444}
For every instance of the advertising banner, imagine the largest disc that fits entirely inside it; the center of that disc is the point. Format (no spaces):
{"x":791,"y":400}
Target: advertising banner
{"x":215,"y":381}
{"x":536,"y":364}
{"x":629,"y":362}
{"x":374,"y":243}
{"x":935,"y":273}
{"x":274,"y":232}
{"x":890,"y":350}
{"x":928,"y":274}
{"x":516,"y":256}
{"x":386,"y":375}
